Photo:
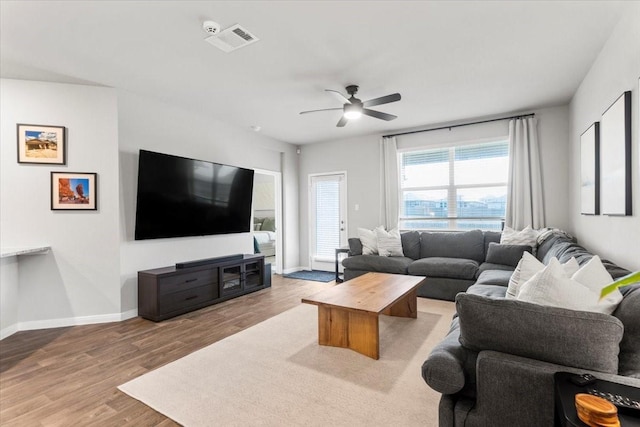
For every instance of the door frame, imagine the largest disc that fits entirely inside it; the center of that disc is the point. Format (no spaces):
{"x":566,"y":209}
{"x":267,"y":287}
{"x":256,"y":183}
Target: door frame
{"x":312,"y":216}
{"x":277,"y":183}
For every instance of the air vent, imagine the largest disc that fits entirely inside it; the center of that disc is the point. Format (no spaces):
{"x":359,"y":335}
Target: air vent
{"x":232,"y":38}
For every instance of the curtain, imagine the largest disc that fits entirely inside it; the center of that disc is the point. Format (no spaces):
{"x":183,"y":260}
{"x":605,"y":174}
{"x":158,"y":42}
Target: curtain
{"x":390,"y":207}
{"x":524,"y":193}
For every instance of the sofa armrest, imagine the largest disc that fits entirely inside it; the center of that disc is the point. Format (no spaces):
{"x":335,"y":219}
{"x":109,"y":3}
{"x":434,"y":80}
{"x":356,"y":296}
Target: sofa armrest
{"x":444,"y":369}
{"x":566,"y":337}
{"x":513,"y":390}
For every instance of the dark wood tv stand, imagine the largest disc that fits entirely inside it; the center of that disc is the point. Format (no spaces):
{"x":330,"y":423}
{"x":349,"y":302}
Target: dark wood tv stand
{"x":169,"y":291}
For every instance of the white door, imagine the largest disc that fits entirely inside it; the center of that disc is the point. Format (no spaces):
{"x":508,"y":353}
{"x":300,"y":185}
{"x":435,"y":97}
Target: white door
{"x":328,"y":219}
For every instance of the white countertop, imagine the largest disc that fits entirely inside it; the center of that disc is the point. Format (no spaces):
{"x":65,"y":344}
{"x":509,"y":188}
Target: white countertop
{"x":23,"y":250}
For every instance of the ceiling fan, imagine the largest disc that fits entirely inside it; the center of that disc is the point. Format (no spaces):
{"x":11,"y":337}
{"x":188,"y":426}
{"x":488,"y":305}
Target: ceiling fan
{"x":354,"y":108}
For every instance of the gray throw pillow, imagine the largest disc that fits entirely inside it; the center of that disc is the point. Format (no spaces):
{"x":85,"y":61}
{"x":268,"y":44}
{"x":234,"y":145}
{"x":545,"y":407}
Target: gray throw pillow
{"x":269,"y":224}
{"x":578,"y":339}
{"x":506,"y":254}
{"x":628,"y":312}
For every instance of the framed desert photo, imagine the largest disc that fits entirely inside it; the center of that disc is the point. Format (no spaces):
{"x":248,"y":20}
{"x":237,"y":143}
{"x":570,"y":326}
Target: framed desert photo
{"x":73,"y":191}
{"x":41,"y":144}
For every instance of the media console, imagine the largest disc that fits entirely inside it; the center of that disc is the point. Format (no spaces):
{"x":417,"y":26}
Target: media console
{"x":169,"y":291}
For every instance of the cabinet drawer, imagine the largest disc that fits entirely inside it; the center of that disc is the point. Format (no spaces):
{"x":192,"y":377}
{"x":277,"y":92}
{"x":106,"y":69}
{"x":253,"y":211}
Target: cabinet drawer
{"x":183,"y":282}
{"x":194,"y":296}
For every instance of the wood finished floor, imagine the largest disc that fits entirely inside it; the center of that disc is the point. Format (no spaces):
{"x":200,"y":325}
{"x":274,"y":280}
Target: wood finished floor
{"x":68,"y":376}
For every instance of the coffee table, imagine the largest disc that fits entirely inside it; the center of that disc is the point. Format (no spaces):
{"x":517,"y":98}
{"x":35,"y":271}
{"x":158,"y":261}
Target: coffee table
{"x":348,"y":313}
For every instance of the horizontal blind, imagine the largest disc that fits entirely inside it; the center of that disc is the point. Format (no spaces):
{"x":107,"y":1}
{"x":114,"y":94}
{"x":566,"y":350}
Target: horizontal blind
{"x":327,"y":198}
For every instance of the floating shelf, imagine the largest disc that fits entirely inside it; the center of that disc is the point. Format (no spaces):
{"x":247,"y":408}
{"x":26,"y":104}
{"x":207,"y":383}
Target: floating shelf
{"x":23,"y":250}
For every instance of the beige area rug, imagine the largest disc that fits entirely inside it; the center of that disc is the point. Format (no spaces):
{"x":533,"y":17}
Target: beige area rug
{"x":276,"y":374}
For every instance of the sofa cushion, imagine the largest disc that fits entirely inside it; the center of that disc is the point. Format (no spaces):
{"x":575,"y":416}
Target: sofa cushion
{"x":487,"y":266}
{"x":489,"y":291}
{"x":628,"y":312}
{"x":550,"y":334}
{"x":455,"y":268}
{"x":490,"y":237}
{"x":355,"y":246}
{"x":467,"y":245}
{"x":494,"y":277}
{"x":411,"y":244}
{"x":380,"y":264}
{"x":506,"y":254}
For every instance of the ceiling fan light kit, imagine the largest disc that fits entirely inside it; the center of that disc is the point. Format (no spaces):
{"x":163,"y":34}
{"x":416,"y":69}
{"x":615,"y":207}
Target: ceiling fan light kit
{"x":354,"y":108}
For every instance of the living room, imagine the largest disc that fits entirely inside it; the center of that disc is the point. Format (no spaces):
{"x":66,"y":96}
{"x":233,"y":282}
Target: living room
{"x":90,"y":273}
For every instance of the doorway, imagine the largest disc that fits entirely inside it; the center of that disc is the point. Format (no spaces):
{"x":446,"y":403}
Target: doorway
{"x":327,"y":218}
{"x":267,"y":217}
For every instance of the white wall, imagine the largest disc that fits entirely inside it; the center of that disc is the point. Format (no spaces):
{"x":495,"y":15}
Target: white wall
{"x":8,"y":296}
{"x":360,"y":157}
{"x":615,"y":71}
{"x":150,"y":124}
{"x":78,"y":280}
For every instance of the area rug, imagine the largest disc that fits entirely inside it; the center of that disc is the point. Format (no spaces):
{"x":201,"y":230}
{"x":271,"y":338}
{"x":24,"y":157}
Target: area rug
{"x":276,"y":374}
{"x":314,"y":275}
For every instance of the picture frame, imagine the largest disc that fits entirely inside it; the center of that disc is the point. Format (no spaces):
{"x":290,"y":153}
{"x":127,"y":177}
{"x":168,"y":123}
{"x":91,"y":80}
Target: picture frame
{"x":41,"y":144}
{"x":615,"y":157}
{"x":590,"y":170}
{"x":71,"y":191}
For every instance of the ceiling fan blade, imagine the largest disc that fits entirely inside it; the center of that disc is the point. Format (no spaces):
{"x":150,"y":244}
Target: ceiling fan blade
{"x":382,"y":100}
{"x":342,"y":97}
{"x":324,"y":109}
{"x":378,"y":114}
{"x":343,"y":121}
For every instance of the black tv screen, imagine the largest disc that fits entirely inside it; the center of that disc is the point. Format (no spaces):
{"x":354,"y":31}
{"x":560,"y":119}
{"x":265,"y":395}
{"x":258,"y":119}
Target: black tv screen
{"x":180,"y":197}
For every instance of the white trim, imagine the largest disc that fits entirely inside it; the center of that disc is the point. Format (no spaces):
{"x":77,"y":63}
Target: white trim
{"x":294,"y":269}
{"x":462,"y":143}
{"x":8,"y":331}
{"x":277,"y":176}
{"x":70,"y":321}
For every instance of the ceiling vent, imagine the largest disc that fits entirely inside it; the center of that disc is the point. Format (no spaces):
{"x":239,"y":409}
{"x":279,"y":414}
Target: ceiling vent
{"x":232,"y":38}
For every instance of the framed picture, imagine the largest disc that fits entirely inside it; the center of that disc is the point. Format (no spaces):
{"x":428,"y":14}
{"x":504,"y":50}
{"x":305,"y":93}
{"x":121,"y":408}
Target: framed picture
{"x":41,"y":144}
{"x":71,"y":191}
{"x":590,"y":170}
{"x":615,"y":157}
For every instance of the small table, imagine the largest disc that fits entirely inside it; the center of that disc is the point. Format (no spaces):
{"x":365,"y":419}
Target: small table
{"x":565,"y":393}
{"x":339,"y":251}
{"x":348,"y":313}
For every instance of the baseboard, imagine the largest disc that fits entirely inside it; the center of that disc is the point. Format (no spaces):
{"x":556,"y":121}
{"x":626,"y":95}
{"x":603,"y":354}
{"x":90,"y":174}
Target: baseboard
{"x":8,"y":331}
{"x":293,"y":270}
{"x":70,"y":321}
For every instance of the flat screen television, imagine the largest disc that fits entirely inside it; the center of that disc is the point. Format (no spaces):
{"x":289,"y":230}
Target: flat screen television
{"x":180,"y":197}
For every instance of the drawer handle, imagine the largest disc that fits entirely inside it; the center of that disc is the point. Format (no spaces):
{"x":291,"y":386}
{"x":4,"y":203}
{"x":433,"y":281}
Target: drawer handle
{"x":191,"y":297}
{"x":190,"y":280}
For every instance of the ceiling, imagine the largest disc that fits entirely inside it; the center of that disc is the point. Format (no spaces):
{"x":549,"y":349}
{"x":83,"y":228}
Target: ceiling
{"x":450,"y":60}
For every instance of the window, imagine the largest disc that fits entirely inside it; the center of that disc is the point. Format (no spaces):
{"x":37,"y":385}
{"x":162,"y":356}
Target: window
{"x":455,"y":188}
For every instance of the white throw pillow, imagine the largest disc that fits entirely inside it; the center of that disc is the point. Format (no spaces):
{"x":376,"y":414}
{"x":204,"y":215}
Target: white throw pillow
{"x":389,"y":243}
{"x":369,"y":240}
{"x":595,"y":276}
{"x":528,"y":267}
{"x":528,"y":236}
{"x":552,"y":287}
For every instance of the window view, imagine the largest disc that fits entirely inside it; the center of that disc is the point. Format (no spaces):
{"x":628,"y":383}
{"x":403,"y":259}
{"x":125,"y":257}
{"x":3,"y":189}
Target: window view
{"x":454,"y":188}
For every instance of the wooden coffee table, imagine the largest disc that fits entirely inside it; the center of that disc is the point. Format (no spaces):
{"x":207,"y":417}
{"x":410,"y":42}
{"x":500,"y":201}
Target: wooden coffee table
{"x":348,"y":312}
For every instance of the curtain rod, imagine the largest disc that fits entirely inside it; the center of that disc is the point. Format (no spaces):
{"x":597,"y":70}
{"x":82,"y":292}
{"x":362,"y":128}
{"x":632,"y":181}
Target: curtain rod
{"x":520,"y":116}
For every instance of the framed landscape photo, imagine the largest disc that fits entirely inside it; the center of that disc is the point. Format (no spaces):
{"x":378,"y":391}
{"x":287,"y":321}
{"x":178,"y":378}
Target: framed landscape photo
{"x":590,"y":170}
{"x":72,"y":191}
{"x":41,"y":144}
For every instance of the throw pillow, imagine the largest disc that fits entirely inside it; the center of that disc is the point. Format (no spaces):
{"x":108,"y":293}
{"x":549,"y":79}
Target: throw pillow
{"x":369,"y":241}
{"x":389,"y":243}
{"x":528,"y":267}
{"x":269,"y":224}
{"x":552,"y":287}
{"x":528,"y":236}
{"x":256,"y":227}
{"x":595,"y":276}
{"x":506,"y":254}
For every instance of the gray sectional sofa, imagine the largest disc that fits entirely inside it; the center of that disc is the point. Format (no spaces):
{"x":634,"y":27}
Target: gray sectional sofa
{"x":452,"y":261}
{"x":495,"y":367}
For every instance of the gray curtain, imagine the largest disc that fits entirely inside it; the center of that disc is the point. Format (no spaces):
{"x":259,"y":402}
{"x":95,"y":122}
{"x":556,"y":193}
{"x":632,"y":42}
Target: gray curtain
{"x":524,"y":194}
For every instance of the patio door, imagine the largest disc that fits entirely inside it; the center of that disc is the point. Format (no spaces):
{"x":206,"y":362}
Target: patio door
{"x":328,"y":219}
